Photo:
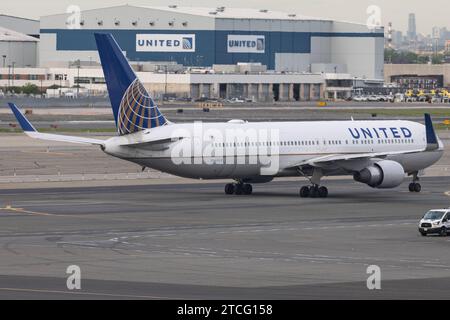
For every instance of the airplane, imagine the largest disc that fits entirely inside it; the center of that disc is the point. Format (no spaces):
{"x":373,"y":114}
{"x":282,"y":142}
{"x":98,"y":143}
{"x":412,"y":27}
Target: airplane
{"x":377,"y":153}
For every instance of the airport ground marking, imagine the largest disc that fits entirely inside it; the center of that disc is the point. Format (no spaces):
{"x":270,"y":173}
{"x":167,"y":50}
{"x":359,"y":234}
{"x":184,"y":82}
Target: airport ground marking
{"x":49,"y":152}
{"x":87,"y":293}
{"x":34,"y":213}
{"x":21,"y":210}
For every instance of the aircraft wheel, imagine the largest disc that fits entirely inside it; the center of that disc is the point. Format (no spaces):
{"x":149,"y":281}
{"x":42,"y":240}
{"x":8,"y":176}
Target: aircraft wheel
{"x":238,"y":189}
{"x":417,"y":187}
{"x":304,"y":192}
{"x":314,"y":192}
{"x":323,"y":192}
{"x":229,"y":188}
{"x":247,"y":189}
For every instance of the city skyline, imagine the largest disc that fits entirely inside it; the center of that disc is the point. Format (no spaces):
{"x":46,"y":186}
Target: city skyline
{"x":397,"y":12}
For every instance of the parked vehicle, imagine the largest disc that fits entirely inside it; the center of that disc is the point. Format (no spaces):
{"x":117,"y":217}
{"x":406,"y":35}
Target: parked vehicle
{"x":411,"y":99}
{"x":360,"y":98}
{"x":373,"y":98}
{"x":422,"y":99}
{"x":435,"y":222}
{"x":236,"y":100}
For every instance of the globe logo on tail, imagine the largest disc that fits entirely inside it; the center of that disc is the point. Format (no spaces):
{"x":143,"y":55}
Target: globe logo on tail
{"x":138,"y":111}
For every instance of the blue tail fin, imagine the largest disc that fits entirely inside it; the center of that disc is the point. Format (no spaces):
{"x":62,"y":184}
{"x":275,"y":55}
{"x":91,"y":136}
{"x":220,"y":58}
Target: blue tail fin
{"x":432,"y":141}
{"x":134,"y":110}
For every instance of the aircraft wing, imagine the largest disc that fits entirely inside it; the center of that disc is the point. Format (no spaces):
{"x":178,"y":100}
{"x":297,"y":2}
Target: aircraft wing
{"x":31,"y":131}
{"x":335,"y":158}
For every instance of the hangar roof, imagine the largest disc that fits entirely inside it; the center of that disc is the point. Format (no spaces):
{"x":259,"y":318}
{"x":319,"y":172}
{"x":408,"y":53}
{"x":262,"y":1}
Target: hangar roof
{"x":16,"y":18}
{"x":218,"y":12}
{"x":11,"y":35}
{"x":235,"y":13}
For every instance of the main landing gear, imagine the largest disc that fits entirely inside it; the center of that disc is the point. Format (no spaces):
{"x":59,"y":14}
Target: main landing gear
{"x":238,"y":189}
{"x":313,"y":191}
{"x":415,"y":186}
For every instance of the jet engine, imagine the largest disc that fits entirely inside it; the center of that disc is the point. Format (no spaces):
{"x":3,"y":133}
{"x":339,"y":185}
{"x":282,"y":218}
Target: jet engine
{"x":384,"y":174}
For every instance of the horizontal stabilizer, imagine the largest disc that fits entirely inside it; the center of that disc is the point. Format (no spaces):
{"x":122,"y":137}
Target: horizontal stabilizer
{"x":31,"y":131}
{"x":64,"y":138}
{"x":159,"y":144}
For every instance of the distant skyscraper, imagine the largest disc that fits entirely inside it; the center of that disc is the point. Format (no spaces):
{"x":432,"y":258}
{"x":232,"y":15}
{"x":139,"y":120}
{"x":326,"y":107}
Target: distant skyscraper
{"x":436,"y":33}
{"x":435,"y":36}
{"x":412,"y":32}
{"x":444,"y":35}
{"x":389,"y":36}
{"x":397,"y":38}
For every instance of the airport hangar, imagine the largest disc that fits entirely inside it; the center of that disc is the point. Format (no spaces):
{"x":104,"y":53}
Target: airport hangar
{"x":19,"y":41}
{"x":282,"y":56}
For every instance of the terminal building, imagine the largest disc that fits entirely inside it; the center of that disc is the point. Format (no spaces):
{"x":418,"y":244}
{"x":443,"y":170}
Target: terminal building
{"x":418,"y":76}
{"x":265,"y":87}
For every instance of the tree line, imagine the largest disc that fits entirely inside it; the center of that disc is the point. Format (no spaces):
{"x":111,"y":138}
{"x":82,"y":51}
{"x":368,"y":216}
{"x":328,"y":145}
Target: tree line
{"x":408,"y":57}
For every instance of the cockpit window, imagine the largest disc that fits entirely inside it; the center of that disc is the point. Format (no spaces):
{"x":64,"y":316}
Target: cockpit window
{"x":434,"y":215}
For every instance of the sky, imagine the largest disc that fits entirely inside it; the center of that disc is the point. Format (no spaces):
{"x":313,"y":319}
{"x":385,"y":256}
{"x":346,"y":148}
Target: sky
{"x":428,"y":13}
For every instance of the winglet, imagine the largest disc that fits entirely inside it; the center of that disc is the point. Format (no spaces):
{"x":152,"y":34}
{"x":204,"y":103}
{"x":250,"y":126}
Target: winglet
{"x":24,"y":123}
{"x":432,"y":141}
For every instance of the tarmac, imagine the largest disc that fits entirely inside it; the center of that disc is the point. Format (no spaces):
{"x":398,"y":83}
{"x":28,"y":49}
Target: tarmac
{"x":148,"y":235}
{"x":191,"y":241}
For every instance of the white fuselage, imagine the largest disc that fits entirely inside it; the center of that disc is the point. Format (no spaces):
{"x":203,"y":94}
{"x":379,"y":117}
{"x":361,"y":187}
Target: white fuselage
{"x":242,"y":150}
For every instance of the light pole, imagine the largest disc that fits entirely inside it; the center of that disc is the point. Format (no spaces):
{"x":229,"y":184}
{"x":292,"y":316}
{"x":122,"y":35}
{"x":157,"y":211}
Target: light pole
{"x":165,"y":84}
{"x":78,"y":77}
{"x":12,"y":81}
{"x":9,"y":76}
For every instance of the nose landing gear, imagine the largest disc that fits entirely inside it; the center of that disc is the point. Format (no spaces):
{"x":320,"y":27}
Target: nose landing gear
{"x":415,"y":186}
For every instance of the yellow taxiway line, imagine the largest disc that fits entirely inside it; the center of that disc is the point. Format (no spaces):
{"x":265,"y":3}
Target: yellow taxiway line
{"x":21,"y":210}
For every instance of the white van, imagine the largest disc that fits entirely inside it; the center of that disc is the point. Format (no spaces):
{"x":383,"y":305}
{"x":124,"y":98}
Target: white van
{"x":435,"y":222}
